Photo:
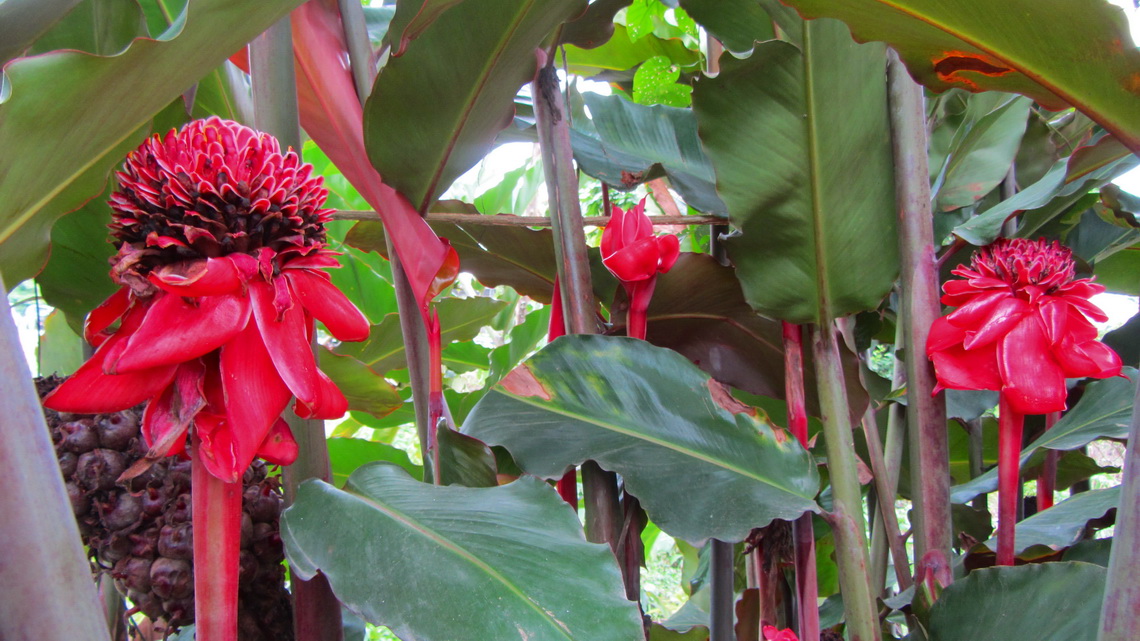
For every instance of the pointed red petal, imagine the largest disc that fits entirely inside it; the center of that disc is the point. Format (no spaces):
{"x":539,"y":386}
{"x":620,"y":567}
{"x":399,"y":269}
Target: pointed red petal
{"x":106,"y":313}
{"x":943,"y":335}
{"x":669,"y":249}
{"x":1089,"y":358}
{"x":974,"y":369}
{"x":175,"y":331}
{"x":168,"y":415}
{"x":1032,"y":380}
{"x":330,"y":403}
{"x":327,"y":304}
{"x":193,"y":278}
{"x":977,"y":309}
{"x":1006,"y":314}
{"x":287,"y":342}
{"x":279,"y":447}
{"x":216,"y":447}
{"x":637,"y":261}
{"x":255,"y":394}
{"x":90,"y":391}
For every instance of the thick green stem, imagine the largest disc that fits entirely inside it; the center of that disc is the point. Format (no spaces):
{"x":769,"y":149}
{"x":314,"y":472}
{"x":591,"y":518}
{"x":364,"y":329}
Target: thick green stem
{"x":1010,"y":427}
{"x":1047,"y":478}
{"x":316,"y":611}
{"x":46,"y":591}
{"x":217,"y":543}
{"x":892,"y":461}
{"x":886,"y":503}
{"x":1120,"y":613}
{"x":846,"y":517}
{"x":926,"y":413}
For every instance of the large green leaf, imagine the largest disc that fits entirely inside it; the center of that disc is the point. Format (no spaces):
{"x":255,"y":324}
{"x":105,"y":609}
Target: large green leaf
{"x":1058,"y":52}
{"x":650,"y":415}
{"x":70,"y":114}
{"x":504,"y":562}
{"x":460,"y":320}
{"x":1064,"y":524}
{"x":434,"y":111}
{"x":738,"y":24}
{"x":1103,"y":412}
{"x":1042,"y":602}
{"x":411,"y":18}
{"x":698,"y":310}
{"x":364,"y":388}
{"x":348,"y":454}
{"x":982,"y":150}
{"x":625,"y":144}
{"x":23,"y":21}
{"x":620,"y":53}
{"x":801,"y":147}
{"x":103,"y":27}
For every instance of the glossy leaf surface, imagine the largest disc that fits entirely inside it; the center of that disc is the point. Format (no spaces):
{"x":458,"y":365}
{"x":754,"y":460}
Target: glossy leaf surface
{"x":1052,"y":602}
{"x":435,"y":110}
{"x":1022,"y":46}
{"x":1064,"y":524}
{"x":800,"y":144}
{"x":650,"y":415}
{"x":508,"y":562}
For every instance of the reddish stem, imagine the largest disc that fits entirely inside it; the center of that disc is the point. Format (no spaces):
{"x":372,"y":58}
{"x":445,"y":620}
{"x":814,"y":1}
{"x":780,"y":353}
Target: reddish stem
{"x":568,"y":487}
{"x":639,"y":294}
{"x":1047,"y":478}
{"x":1010,"y":424}
{"x":435,"y":390}
{"x":217,"y":542}
{"x":807,"y":587}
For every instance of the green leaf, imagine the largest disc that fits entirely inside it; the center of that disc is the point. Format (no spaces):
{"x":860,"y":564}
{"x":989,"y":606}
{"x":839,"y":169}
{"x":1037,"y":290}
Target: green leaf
{"x":71,"y":116}
{"x":512,"y":195}
{"x":1126,"y":340}
{"x":982,"y":150}
{"x":61,"y":349}
{"x":1042,"y":601}
{"x":1118,"y":272}
{"x":348,"y":454}
{"x":655,"y":83}
{"x":465,"y":461}
{"x":412,"y":18}
{"x":698,"y":310}
{"x":77,"y":275}
{"x":460,"y":320}
{"x":1021,"y":46}
{"x":594,"y":27}
{"x":493,"y":560}
{"x":366,"y":390}
{"x":801,"y":147}
{"x":434,"y":110}
{"x":101,"y":27}
{"x":738,"y":24}
{"x":1103,"y":412}
{"x":650,"y":415}
{"x":620,"y":53}
{"x":1064,"y":524}
{"x":23,"y":21}
{"x":625,"y":144}
{"x":1043,"y":200}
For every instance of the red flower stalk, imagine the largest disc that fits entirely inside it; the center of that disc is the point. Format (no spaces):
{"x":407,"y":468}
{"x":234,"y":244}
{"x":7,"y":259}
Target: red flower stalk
{"x":635,"y":256}
{"x":221,"y":266}
{"x":1022,"y":327}
{"x":771,"y":633}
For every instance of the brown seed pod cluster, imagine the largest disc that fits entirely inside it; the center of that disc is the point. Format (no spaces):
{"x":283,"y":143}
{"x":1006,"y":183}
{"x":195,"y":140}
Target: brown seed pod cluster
{"x":140,"y":530}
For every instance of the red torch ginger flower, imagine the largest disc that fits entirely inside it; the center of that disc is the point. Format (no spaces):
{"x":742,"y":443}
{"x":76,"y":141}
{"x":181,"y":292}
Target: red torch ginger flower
{"x":1022,"y":326}
{"x":773,"y":634}
{"x":221,"y":265}
{"x":635,"y":256}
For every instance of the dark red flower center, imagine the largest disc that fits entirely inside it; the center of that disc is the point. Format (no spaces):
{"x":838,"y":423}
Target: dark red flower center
{"x":211,"y":189}
{"x":1022,"y":262}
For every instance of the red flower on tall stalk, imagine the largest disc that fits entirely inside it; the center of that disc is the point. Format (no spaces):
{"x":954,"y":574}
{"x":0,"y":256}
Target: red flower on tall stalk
{"x":635,"y":256}
{"x":772,"y":633}
{"x":221,"y":266}
{"x":1022,"y":327}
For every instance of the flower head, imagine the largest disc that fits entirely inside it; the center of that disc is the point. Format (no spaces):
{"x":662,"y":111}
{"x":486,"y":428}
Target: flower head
{"x":771,"y":633}
{"x":630,"y":250}
{"x":221,"y":258}
{"x":1022,"y":326}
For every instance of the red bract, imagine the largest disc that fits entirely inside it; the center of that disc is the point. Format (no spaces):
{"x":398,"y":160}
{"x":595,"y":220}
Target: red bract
{"x":773,"y":634}
{"x":1022,"y":326}
{"x":221,"y":262}
{"x":635,"y":256}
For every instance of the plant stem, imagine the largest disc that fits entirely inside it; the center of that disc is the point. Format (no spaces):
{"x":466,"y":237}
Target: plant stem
{"x":46,"y":591}
{"x":926,"y":413}
{"x":886,"y":502}
{"x":803,"y":534}
{"x":892,"y":459}
{"x":217,"y":542}
{"x":435,"y":393}
{"x":636,"y":320}
{"x":721,"y":593}
{"x":1120,"y":613}
{"x":1010,"y":427}
{"x":1047,"y":478}
{"x":846,"y":518}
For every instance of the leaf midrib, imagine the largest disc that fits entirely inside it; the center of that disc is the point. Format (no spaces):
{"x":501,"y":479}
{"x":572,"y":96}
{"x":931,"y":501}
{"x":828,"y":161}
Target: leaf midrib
{"x":447,"y":544}
{"x":613,"y":427}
